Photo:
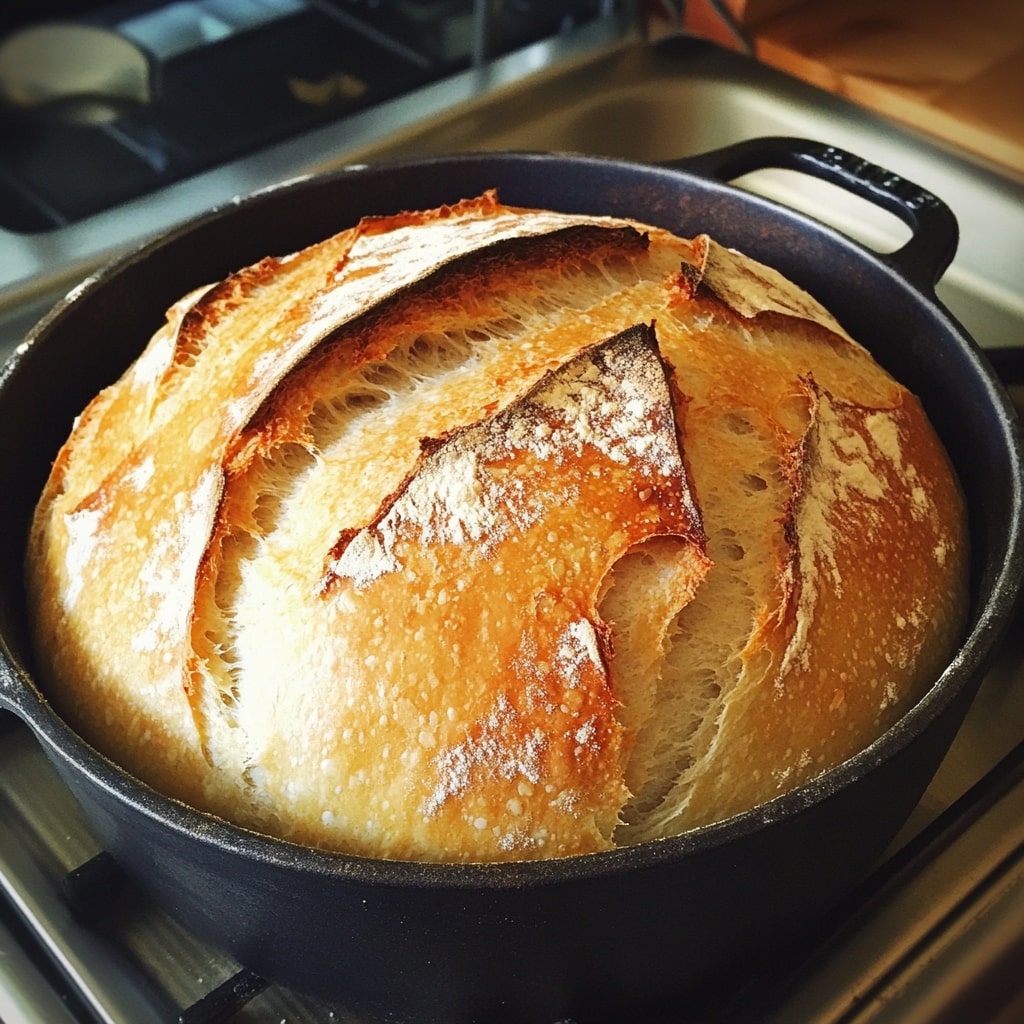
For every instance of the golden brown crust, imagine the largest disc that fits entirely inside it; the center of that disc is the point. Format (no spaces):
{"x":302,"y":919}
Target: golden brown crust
{"x":328,"y":574}
{"x":865,"y":607}
{"x":466,"y":550}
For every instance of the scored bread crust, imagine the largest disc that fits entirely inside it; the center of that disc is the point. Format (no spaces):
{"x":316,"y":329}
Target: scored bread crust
{"x":485,"y":533}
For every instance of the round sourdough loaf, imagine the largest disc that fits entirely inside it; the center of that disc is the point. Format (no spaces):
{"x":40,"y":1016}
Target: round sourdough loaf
{"x":486,"y":533}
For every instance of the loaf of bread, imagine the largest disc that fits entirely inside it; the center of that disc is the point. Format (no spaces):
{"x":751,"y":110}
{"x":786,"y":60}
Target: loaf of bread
{"x":487,"y":533}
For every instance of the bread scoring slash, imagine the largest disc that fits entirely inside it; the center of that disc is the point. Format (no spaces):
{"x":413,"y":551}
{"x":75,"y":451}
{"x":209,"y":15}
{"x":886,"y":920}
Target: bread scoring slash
{"x":486,"y":533}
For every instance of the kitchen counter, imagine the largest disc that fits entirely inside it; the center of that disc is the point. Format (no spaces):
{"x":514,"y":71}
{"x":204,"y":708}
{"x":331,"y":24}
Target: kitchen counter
{"x":953,"y":70}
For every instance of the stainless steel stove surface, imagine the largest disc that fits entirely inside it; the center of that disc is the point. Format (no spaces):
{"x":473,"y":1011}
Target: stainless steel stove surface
{"x":936,"y":934}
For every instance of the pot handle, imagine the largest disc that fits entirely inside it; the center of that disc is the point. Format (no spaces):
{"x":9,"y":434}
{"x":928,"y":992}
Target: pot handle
{"x":922,"y":260}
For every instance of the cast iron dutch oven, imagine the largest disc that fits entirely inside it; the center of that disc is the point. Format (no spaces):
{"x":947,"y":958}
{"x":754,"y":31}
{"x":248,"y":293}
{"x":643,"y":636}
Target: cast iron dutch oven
{"x":601,"y":937}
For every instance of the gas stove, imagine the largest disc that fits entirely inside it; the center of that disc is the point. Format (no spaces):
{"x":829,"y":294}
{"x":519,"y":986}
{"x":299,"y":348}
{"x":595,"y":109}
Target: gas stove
{"x":935,"y":934}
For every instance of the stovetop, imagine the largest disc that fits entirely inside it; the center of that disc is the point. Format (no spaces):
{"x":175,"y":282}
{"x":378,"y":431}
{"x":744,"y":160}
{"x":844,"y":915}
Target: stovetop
{"x":182,"y":87}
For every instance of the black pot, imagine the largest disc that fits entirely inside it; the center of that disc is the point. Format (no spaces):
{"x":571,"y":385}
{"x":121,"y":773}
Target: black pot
{"x":601,"y":937}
